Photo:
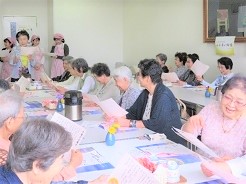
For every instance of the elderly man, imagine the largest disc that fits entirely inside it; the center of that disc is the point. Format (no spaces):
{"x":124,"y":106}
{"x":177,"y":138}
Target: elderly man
{"x":123,"y":80}
{"x":11,"y":117}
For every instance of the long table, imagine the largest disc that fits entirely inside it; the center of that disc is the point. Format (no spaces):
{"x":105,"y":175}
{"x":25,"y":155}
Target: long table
{"x":127,"y":142}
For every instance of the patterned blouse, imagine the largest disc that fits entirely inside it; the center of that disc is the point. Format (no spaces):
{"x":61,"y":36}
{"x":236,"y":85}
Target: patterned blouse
{"x":180,"y":71}
{"x":129,"y":97}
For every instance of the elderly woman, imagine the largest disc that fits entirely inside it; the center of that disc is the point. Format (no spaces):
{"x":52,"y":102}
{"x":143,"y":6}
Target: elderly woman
{"x":189,"y":77}
{"x":162,"y":59}
{"x":107,"y":88}
{"x":180,"y":60}
{"x":221,"y":125}
{"x":123,"y":78}
{"x":66,"y":74}
{"x":12,"y":116}
{"x":83,"y":80}
{"x":41,"y":164}
{"x":156,"y":107}
{"x":4,"y":85}
{"x":225,"y":65}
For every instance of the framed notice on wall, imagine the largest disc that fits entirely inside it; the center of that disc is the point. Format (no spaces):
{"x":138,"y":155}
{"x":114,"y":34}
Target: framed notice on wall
{"x":13,"y":24}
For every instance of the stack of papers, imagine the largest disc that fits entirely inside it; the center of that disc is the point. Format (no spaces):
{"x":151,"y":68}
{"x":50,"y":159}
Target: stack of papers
{"x":170,"y":77}
{"x":23,"y":83}
{"x":199,"y":68}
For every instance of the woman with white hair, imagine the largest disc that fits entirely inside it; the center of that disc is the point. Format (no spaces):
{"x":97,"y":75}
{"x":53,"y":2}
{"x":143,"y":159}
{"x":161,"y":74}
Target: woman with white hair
{"x":36,"y":154}
{"x":123,"y":80}
{"x":11,"y":117}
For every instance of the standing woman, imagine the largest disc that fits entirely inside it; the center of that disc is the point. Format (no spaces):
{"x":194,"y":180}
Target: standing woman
{"x":38,"y":58}
{"x":7,"y":68}
{"x":60,"y":49}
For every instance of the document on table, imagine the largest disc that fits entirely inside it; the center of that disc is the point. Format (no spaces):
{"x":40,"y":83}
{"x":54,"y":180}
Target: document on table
{"x":129,"y":171}
{"x":170,"y":77}
{"x":77,"y":131}
{"x":4,"y":53}
{"x":111,"y":108}
{"x":28,"y":50}
{"x":23,"y":83}
{"x":193,"y":140}
{"x":199,"y":68}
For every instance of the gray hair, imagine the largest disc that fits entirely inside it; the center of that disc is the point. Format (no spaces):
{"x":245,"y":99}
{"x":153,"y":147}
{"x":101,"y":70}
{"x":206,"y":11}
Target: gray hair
{"x":238,"y":81}
{"x":10,"y":105}
{"x":123,"y":72}
{"x":4,"y":85}
{"x":69,"y":59}
{"x":37,"y":140}
{"x":81,"y":65}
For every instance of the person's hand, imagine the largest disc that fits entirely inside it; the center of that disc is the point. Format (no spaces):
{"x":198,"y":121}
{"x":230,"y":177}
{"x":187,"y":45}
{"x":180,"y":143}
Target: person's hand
{"x":195,"y":123}
{"x":181,"y":83}
{"x":206,"y":171}
{"x":29,"y":57}
{"x":54,"y":57}
{"x":211,"y":168}
{"x":199,"y":78}
{"x":101,"y":180}
{"x":37,"y":66}
{"x":123,"y":121}
{"x":109,"y":119}
{"x":76,"y":158}
{"x":60,"y":89}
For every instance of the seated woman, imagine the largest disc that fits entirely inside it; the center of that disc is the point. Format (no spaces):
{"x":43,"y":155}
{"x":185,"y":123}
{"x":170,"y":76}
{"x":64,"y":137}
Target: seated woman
{"x":107,"y":88}
{"x":123,"y":80}
{"x":225,"y":65}
{"x":156,"y":107}
{"x":189,"y":77}
{"x":83,"y":80}
{"x":162,"y":59}
{"x":221,"y":125}
{"x":11,"y":118}
{"x":42,"y":163}
{"x":180,"y":60}
{"x":66,"y":74}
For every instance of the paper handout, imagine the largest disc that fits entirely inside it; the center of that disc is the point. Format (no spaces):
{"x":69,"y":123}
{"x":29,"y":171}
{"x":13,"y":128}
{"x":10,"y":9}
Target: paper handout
{"x":129,"y":171}
{"x":23,"y":83}
{"x":4,"y":53}
{"x":111,"y":108}
{"x":49,"y":54}
{"x":170,"y":77}
{"x":28,"y":50}
{"x":199,"y":68}
{"x":77,"y":131}
{"x":193,"y":140}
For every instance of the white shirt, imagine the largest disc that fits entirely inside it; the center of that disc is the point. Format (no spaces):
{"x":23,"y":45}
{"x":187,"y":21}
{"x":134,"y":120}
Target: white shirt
{"x":89,"y":84}
{"x":71,"y":84}
{"x":238,"y":166}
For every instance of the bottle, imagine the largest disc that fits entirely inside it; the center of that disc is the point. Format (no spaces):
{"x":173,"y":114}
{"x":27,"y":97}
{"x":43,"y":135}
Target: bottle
{"x":207,"y":92}
{"x":59,"y":107}
{"x":173,"y":174}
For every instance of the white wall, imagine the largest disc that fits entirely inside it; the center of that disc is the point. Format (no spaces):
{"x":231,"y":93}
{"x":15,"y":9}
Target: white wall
{"x":93,"y":29}
{"x":37,"y":8}
{"x":169,"y":26}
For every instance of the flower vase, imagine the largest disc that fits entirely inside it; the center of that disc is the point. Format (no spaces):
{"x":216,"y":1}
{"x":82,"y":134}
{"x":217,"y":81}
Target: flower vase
{"x":110,"y":139}
{"x":59,"y":107}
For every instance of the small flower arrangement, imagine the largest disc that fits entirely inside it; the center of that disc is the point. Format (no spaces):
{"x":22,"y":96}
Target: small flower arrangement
{"x":113,"y":128}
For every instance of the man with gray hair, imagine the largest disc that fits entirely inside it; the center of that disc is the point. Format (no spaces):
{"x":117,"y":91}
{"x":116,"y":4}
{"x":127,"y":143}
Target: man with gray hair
{"x":123,"y":80}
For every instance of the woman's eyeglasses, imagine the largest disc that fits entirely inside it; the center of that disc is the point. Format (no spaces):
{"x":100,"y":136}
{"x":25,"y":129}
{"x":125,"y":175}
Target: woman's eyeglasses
{"x":229,"y":99}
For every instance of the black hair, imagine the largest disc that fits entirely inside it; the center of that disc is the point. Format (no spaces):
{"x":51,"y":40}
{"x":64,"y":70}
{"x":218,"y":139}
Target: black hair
{"x":150,"y":67}
{"x":99,"y":69}
{"x":193,"y":57}
{"x":23,"y":33}
{"x":162,"y":57}
{"x":182,"y":56}
{"x":63,"y":40}
{"x":238,"y":81}
{"x":227,"y":62}
{"x":81,"y":65}
{"x":7,"y":40}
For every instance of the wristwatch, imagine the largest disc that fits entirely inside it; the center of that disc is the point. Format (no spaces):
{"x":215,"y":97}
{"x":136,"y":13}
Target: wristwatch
{"x":133,"y":123}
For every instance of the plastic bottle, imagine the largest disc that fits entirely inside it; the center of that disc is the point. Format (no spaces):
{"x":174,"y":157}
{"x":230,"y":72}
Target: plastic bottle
{"x":207,"y":92}
{"x":59,"y":107}
{"x":173,"y":174}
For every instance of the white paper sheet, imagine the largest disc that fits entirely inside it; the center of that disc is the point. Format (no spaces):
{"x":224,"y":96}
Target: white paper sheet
{"x":111,"y":108}
{"x":199,"y":68}
{"x":193,"y":140}
{"x":4,"y":53}
{"x":129,"y":171}
{"x":23,"y":83}
{"x":170,"y":77}
{"x":49,"y":54}
{"x":77,"y":131}
{"x":93,"y":98}
{"x":28,"y":50}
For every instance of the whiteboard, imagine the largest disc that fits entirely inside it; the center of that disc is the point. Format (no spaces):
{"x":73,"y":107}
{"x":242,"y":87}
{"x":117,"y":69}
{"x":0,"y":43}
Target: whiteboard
{"x":13,"y":24}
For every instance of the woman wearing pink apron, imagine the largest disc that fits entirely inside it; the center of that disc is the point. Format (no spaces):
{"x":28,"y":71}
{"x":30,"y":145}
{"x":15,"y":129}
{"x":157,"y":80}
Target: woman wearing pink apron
{"x":38,"y":68}
{"x":6,"y":67}
{"x":60,"y":49}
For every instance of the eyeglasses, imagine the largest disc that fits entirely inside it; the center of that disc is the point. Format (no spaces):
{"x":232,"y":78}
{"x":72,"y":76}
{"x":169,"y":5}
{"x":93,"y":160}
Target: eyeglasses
{"x":229,"y":99}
